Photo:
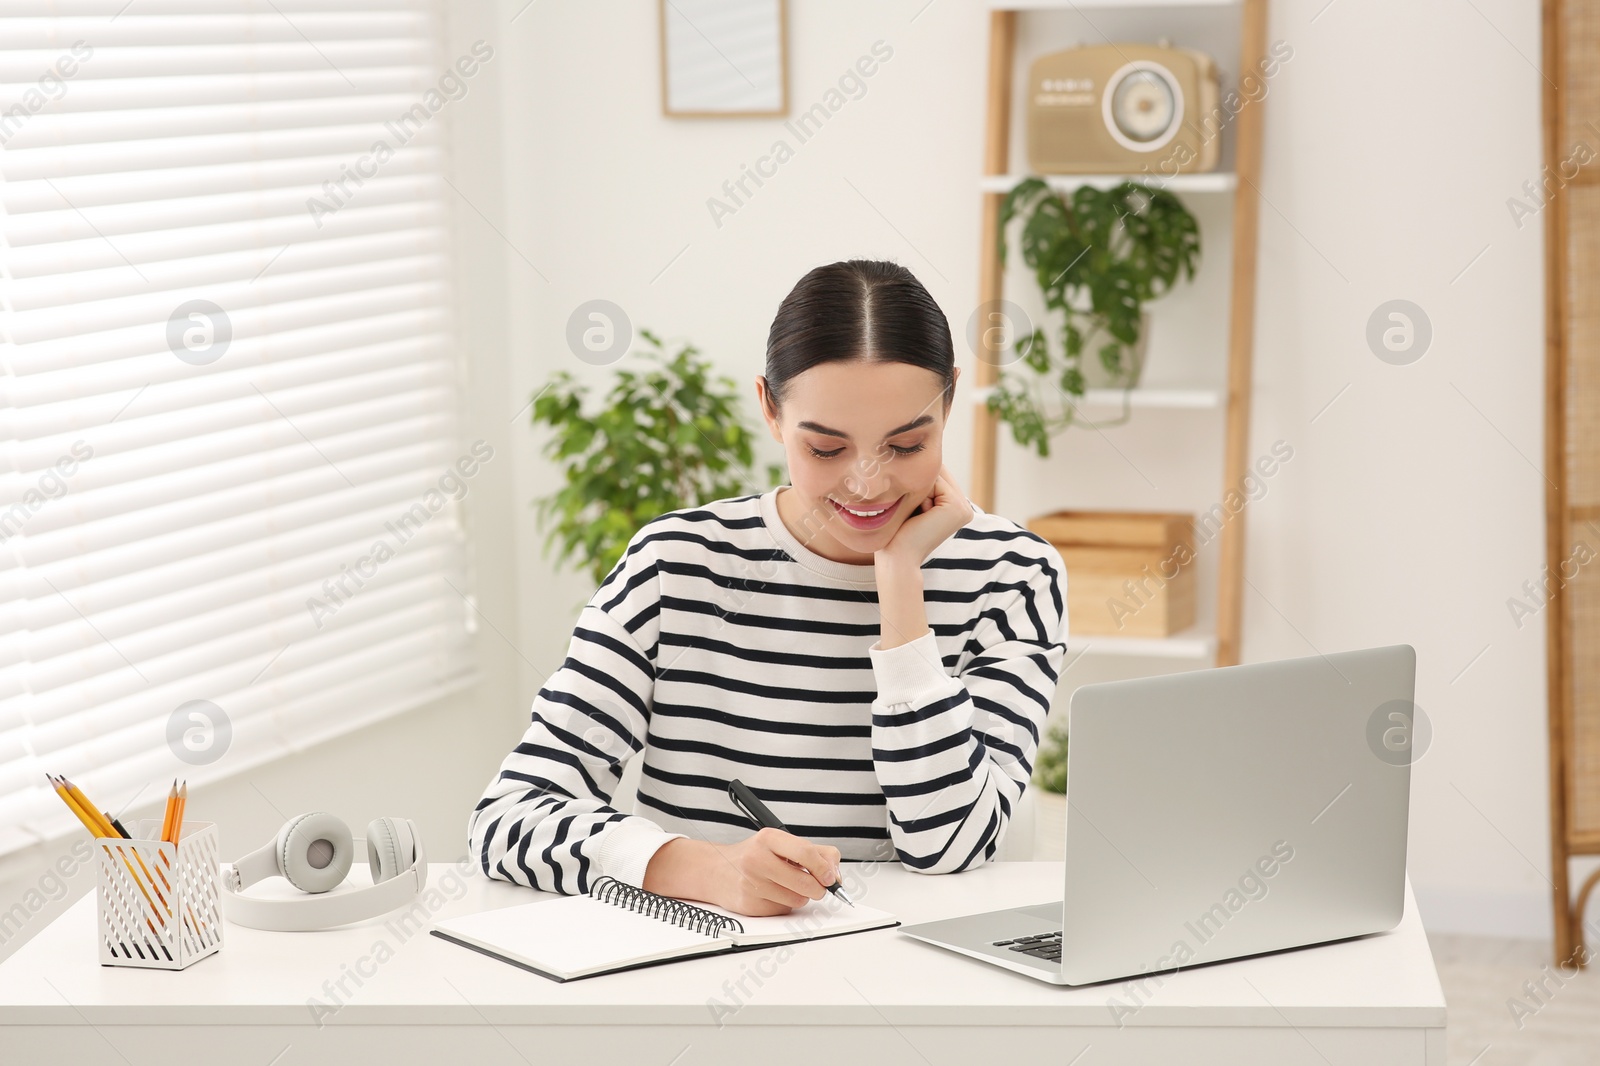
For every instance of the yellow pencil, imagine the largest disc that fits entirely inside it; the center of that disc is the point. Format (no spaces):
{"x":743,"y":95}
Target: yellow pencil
{"x":72,"y":805}
{"x":92,"y":822}
{"x":177,"y":817}
{"x":166,"y":820}
{"x":106,"y":829}
{"x":170,"y":822}
{"x":170,"y":819}
{"x":172,"y":806}
{"x":100,"y":826}
{"x":109,"y":830}
{"x":175,"y":830}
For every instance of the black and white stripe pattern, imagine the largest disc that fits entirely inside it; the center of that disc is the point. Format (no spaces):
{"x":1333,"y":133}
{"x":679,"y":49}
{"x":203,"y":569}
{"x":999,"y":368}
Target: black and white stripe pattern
{"x":721,"y":647}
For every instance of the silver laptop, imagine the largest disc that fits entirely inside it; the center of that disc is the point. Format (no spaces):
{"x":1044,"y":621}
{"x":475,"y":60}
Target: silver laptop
{"x":1217,"y":814}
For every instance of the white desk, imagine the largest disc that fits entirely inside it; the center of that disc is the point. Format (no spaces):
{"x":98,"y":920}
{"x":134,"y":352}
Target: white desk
{"x":873,"y":997}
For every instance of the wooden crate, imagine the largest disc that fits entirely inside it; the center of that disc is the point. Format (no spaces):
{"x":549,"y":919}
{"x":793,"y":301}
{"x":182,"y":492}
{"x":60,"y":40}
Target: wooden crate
{"x":1116,"y":529}
{"x":1105,"y":551}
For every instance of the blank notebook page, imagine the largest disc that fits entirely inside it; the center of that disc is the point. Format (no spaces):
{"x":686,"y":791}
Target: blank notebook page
{"x":819,"y":917}
{"x":576,"y":933}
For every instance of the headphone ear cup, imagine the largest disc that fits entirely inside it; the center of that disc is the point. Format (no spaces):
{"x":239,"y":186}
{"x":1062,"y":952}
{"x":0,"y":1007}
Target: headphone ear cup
{"x":391,"y":848}
{"x":315,"y":851}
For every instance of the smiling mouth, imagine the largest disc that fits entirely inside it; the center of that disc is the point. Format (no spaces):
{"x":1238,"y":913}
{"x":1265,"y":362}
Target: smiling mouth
{"x":863,"y":517}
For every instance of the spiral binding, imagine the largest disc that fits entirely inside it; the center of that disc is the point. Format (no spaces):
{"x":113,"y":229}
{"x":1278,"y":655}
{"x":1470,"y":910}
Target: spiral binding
{"x":676,"y":911}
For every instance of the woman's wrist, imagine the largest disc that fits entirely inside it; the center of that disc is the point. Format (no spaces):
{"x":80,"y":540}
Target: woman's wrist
{"x":685,"y":868}
{"x":903,"y":617}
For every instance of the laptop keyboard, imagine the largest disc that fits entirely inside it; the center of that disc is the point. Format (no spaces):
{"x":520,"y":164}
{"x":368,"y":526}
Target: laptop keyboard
{"x":1043,"y":946}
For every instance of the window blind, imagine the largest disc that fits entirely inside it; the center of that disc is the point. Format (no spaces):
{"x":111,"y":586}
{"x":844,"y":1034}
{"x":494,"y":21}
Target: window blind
{"x":233,"y":485}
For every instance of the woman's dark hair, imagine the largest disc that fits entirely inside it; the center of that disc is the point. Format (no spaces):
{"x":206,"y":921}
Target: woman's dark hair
{"x":858,"y":309}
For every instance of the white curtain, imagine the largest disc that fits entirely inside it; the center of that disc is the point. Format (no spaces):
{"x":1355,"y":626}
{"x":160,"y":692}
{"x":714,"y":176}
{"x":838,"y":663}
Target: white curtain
{"x":233,"y":482}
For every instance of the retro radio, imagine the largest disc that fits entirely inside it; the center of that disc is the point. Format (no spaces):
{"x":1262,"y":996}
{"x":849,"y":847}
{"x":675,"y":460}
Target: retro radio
{"x":1123,"y":108}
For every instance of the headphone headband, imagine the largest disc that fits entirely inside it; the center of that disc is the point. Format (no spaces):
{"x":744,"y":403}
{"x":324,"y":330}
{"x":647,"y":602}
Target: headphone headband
{"x":320,"y":910}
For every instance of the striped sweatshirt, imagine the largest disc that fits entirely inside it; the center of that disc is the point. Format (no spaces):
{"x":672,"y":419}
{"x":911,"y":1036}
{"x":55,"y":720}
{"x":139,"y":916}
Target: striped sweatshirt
{"x":721,"y":647}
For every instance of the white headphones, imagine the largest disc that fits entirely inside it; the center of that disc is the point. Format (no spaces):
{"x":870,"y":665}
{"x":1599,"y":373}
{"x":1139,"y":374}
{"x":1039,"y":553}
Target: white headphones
{"x":314,"y":852}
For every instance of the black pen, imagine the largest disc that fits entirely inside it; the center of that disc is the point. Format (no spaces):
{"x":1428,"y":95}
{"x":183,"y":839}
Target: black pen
{"x":758,"y":813}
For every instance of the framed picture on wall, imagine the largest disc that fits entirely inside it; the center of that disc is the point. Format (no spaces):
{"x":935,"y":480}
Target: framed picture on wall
{"x":724,"y":58}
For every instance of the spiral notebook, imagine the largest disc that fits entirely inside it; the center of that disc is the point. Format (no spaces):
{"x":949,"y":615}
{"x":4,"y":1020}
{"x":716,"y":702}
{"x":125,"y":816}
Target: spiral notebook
{"x":618,"y":926}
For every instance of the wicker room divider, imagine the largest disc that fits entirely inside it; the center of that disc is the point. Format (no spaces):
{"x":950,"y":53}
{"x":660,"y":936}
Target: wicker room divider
{"x":1571,"y":206}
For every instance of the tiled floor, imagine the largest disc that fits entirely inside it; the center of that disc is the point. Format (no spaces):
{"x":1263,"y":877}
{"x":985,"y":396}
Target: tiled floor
{"x":1484,"y":978}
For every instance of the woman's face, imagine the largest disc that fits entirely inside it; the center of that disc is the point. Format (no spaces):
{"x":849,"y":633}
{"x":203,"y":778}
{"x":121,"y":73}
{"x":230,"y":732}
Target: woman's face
{"x":864,"y":442}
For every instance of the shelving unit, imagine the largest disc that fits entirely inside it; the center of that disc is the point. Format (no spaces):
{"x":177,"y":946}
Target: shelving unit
{"x":1186,"y":183}
{"x":1039,"y":5}
{"x":1221,"y":643}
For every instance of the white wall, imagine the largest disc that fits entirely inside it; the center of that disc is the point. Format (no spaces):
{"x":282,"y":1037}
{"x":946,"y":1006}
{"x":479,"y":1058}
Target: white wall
{"x":1413,"y":506}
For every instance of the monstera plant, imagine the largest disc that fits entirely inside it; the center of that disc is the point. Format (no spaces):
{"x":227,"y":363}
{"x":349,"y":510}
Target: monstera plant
{"x":1098,"y":256}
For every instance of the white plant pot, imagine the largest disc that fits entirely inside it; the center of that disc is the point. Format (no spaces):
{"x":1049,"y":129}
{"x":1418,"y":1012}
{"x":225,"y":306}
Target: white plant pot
{"x":1049,"y":825}
{"x":1096,"y":376}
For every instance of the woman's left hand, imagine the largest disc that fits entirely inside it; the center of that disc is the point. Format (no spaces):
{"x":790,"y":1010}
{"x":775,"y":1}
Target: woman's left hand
{"x":945,"y":510}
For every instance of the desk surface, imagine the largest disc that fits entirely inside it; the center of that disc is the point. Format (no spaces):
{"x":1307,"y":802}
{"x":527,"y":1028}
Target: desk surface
{"x":880,"y":976}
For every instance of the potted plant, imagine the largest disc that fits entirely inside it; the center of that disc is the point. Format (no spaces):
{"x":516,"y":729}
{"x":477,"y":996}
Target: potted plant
{"x":1098,"y":255}
{"x":668,"y":435}
{"x":1050,"y":794}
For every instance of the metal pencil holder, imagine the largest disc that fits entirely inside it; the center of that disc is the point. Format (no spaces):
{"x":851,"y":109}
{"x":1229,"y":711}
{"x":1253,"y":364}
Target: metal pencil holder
{"x":159,"y":905}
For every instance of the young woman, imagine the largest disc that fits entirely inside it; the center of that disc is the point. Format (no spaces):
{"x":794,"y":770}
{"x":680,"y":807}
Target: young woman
{"x":871,"y":654}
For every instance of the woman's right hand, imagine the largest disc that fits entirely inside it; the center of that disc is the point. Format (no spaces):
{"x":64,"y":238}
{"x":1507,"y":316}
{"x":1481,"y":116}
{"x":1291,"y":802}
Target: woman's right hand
{"x":766,"y":873}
